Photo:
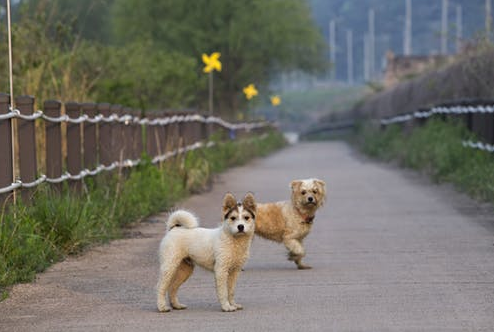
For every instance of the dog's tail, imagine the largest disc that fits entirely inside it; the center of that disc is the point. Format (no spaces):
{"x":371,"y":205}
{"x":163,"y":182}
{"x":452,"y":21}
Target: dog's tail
{"x":182,"y":219}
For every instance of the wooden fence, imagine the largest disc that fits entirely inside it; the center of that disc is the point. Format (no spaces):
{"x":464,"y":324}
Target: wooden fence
{"x":83,"y":139}
{"x":477,"y":115}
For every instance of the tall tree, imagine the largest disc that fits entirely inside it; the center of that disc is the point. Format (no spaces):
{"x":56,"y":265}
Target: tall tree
{"x":256,"y":38}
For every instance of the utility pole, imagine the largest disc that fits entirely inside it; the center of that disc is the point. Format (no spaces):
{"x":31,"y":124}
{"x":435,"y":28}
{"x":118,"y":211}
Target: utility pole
{"x":366,"y":58}
{"x":349,"y":54}
{"x":488,"y":18}
{"x":407,"y":42}
{"x":444,"y":28}
{"x":372,"y":44}
{"x":332,"y":47}
{"x":459,"y":28}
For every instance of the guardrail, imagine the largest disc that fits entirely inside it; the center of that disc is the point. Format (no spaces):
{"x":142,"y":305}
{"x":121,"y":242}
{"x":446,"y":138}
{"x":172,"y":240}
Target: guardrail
{"x":85,"y":139}
{"x":478,"y":116}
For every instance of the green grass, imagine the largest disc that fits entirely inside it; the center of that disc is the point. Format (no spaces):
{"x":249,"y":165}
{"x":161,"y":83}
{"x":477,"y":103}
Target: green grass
{"x":436,"y":148}
{"x":57,"y":223}
{"x":299,"y":106}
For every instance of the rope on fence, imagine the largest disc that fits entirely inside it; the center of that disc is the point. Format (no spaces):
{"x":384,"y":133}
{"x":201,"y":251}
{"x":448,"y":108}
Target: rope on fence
{"x":457,"y":110}
{"x":101,"y":168}
{"x":127,"y":119}
{"x":479,"y":145}
{"x":439,"y":110}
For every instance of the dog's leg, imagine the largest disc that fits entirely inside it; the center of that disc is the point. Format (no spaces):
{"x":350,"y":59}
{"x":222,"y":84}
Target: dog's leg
{"x":232,"y":282}
{"x":296,"y":252}
{"x":167,"y":272}
{"x":221,"y":277}
{"x":184,"y":271}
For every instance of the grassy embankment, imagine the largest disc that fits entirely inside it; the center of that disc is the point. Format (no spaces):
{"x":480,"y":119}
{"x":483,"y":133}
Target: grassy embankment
{"x":56,"y":224}
{"x":435,"y":148}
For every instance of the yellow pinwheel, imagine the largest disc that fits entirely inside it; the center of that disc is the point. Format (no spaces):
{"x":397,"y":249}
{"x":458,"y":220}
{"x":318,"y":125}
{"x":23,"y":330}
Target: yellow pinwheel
{"x":250,"y":91}
{"x":212,"y":62}
{"x":275,"y":100}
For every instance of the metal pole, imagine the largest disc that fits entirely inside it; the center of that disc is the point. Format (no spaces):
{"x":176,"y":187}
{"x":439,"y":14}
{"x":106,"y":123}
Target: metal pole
{"x":488,"y":18}
{"x":444,"y":27}
{"x":407,"y":47}
{"x":459,"y":28}
{"x":332,"y":45}
{"x":366,"y":58}
{"x":211,"y":93}
{"x":349,"y":41}
{"x":12,"y":101}
{"x":372,"y":44}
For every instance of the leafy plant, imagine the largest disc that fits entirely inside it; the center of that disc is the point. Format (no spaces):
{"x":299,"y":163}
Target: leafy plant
{"x":59,"y":223}
{"x":437,"y":149}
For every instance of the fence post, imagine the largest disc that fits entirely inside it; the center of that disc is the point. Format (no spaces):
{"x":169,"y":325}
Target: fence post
{"x":104,"y":142}
{"x":74,"y":159}
{"x":27,"y":142}
{"x":6,"y":175}
{"x":204,"y":130}
{"x":161,"y":136}
{"x":89,"y":144}
{"x":117,"y":134}
{"x":128,"y":136}
{"x":478,"y":125}
{"x":151,"y":132}
{"x":490,"y":128}
{"x":169,"y":135}
{"x":180,"y":133}
{"x":137,"y":135}
{"x":53,"y":142}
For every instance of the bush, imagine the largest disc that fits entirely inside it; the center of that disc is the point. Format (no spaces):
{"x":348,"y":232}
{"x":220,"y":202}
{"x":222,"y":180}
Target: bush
{"x":62,"y":222}
{"x":437,"y":149}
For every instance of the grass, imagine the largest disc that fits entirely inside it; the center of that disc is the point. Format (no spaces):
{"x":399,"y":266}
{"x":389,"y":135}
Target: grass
{"x":435,"y":148}
{"x":60,"y":222}
{"x":299,"y":106}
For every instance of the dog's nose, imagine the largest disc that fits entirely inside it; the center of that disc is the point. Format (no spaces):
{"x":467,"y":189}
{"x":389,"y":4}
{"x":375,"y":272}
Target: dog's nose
{"x":310,"y":199}
{"x":240,"y":227}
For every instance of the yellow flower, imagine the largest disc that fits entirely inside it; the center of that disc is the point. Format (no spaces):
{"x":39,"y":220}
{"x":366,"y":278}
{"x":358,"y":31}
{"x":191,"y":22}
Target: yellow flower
{"x":250,"y":91}
{"x":212,"y":62}
{"x":275,"y":100}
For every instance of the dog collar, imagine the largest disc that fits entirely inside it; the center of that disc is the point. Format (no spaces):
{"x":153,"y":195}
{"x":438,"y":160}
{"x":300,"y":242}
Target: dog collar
{"x":309,"y":219}
{"x":306,"y":218}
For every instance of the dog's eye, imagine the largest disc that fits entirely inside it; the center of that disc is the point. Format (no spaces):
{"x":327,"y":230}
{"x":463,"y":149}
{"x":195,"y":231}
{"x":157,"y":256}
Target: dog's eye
{"x":315,"y":191}
{"x":233,"y":218}
{"x":246,"y":218}
{"x":304,"y":192}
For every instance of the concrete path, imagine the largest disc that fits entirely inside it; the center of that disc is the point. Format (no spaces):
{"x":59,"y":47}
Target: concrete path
{"x":390,"y":251}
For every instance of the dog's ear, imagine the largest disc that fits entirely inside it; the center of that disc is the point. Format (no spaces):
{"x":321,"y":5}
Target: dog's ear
{"x":229,"y":202}
{"x":321,"y":185}
{"x":295,"y":184}
{"x":249,"y":202}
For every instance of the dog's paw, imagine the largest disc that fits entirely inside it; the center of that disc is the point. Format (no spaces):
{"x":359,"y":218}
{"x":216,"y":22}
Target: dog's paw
{"x":292,"y":256}
{"x":179,"y":306}
{"x":163,"y":308}
{"x":228,"y":308}
{"x":302,"y":266}
{"x":237,"y":306}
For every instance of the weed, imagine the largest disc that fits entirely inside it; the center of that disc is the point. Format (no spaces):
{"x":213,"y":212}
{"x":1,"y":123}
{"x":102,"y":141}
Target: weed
{"x":59,"y":222}
{"x":437,"y":149}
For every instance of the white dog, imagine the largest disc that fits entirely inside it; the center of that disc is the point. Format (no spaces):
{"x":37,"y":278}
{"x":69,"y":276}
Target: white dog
{"x":223,"y":250}
{"x":289,"y":222}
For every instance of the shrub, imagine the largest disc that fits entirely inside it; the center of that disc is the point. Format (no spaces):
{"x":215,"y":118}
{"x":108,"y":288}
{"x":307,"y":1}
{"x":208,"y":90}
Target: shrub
{"x":62,"y":222}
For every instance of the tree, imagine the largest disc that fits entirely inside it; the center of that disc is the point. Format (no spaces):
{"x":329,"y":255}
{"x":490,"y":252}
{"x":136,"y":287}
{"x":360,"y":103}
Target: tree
{"x":256,"y":38}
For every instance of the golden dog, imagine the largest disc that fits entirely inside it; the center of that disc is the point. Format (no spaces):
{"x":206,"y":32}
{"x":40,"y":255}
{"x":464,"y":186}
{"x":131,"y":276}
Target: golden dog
{"x":289,"y":222}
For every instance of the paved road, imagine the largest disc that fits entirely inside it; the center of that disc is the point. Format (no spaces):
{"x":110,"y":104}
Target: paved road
{"x":390,"y":251}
